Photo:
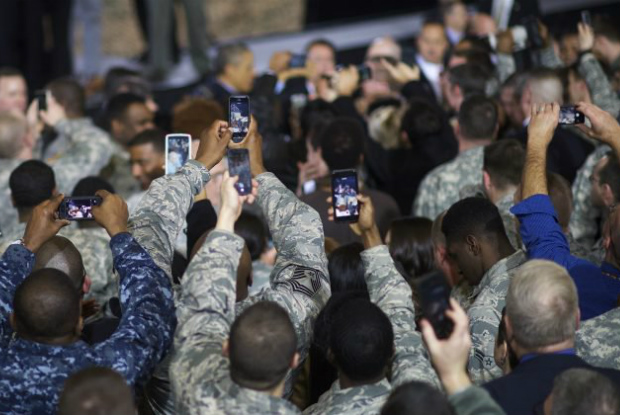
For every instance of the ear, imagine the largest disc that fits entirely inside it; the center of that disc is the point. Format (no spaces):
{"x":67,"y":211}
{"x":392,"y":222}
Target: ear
{"x":295,"y":361}
{"x":225,"y":348}
{"x":55,"y":191}
{"x":86,"y":285}
{"x":472,"y":245}
{"x":508,"y":328}
{"x":116,"y":126}
{"x":578,"y":322}
{"x":606,"y":194}
{"x":79,"y":327}
{"x":486,"y":181}
{"x":13,"y":322}
{"x":331,"y":358}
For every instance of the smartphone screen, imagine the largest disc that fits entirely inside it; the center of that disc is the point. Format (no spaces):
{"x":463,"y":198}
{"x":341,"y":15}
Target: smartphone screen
{"x":297,"y":61}
{"x":586,"y":18}
{"x":570,"y":116}
{"x":41,"y":96}
{"x":434,"y":295}
{"x":178,"y":151}
{"x":239,"y":165}
{"x":365,"y":73}
{"x":239,"y":117}
{"x":344,"y":195}
{"x":78,"y":208}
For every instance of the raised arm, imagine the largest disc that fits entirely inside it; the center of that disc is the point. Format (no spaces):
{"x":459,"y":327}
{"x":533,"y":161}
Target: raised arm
{"x":161,"y":213}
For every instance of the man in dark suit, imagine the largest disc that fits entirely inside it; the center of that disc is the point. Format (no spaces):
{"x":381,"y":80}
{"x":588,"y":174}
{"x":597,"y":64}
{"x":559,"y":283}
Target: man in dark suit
{"x":542,"y":315}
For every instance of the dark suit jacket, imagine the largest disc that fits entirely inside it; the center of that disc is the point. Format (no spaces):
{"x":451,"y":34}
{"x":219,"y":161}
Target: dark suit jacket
{"x":529,"y":384}
{"x":520,"y":9}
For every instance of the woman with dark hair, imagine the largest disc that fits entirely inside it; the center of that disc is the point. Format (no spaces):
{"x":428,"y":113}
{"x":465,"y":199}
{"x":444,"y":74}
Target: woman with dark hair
{"x":411,"y":246}
{"x":346,"y":270}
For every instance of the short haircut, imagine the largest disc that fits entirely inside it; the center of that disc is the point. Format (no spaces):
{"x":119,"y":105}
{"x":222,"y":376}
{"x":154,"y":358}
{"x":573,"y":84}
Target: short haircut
{"x":607,"y":28}
{"x":70,"y":95}
{"x":478,"y":118}
{"x":60,"y":254}
{"x":479,"y":58}
{"x":46,"y":304}
{"x":229,"y":55}
{"x":262,"y":345}
{"x":417,"y":398}
{"x":88,"y":186}
{"x":154,"y":137}
{"x":31,"y":183}
{"x":118,"y":105}
{"x":473,"y":216}
{"x":252,"y":229}
{"x":583,"y":391}
{"x":545,"y":86}
{"x":470,"y":77}
{"x":361,"y":340}
{"x":195,"y":115}
{"x":421,"y":119}
{"x":610,"y":175}
{"x":315,"y":112}
{"x":542,"y":305}
{"x":321,"y":42}
{"x":13,"y":128}
{"x":342,"y":143}
{"x":411,"y":245}
{"x":561,"y":196}
{"x":118,"y":80}
{"x":7,"y":71}
{"x":96,"y":391}
{"x":504,"y":161}
{"x":346,"y":269}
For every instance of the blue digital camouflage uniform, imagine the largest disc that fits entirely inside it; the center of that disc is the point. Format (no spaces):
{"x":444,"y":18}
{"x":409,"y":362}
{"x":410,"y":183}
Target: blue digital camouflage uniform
{"x":33,"y":373}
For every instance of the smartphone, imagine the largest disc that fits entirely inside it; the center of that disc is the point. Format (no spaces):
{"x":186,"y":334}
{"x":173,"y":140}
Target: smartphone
{"x":178,"y":151}
{"x":533,"y":32}
{"x":78,"y":208}
{"x":239,"y":117}
{"x":344,"y":196}
{"x":364,"y":72}
{"x":434,"y":295}
{"x":570,"y":116}
{"x":41,"y":96}
{"x":586,"y":18}
{"x":297,"y":61}
{"x":239,"y":165}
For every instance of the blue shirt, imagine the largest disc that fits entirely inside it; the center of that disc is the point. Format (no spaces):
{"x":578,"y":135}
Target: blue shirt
{"x":598,"y":287}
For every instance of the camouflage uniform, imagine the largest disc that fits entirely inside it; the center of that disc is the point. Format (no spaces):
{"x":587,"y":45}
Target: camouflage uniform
{"x":598,"y":340}
{"x":33,"y":373}
{"x":485,"y":315}
{"x":118,"y":173}
{"x":8,"y":214}
{"x":260,"y":277}
{"x":390,"y":292}
{"x":463,"y":293}
{"x":440,"y":188}
{"x":474,"y":401}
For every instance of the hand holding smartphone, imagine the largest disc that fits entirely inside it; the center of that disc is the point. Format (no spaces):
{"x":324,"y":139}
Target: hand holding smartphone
{"x":78,"y":208}
{"x":239,"y":117}
{"x":344,"y":196}
{"x":41,"y":96}
{"x":178,"y":151}
{"x":434,"y":294}
{"x":586,"y":18}
{"x":239,"y":165}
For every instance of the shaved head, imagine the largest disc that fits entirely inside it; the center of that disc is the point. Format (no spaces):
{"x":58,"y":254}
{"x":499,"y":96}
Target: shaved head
{"x":59,"y":253}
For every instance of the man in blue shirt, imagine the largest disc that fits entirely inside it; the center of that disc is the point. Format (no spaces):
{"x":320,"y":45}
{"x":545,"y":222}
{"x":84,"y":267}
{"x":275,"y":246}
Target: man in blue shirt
{"x":598,"y":287}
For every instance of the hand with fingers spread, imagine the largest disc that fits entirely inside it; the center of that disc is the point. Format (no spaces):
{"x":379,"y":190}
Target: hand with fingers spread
{"x":450,"y":356}
{"x":213,"y":143}
{"x":232,"y":202}
{"x":366,"y":226}
{"x":346,"y":81}
{"x":604,"y":127}
{"x":586,"y":37}
{"x":543,"y":122}
{"x":44,"y":223}
{"x":253,"y":142}
{"x":401,"y":73}
{"x":112,"y":214}
{"x":54,"y":113}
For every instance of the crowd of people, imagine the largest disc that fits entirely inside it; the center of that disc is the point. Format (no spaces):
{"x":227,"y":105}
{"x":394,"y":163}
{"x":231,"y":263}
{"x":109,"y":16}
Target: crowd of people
{"x":182,"y":296}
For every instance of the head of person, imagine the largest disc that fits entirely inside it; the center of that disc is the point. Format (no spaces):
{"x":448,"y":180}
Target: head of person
{"x":254,"y":232}
{"x":606,"y":40}
{"x":86,"y":187}
{"x":473,"y":55}
{"x":482,"y":25}
{"x":96,"y":391}
{"x":361,"y":342}
{"x":432,"y":43}
{"x":342,"y":143}
{"x":475,"y":237}
{"x":315,"y":116}
{"x":15,"y":138}
{"x":262,"y":347}
{"x":417,"y":398}
{"x":60,"y":253}
{"x":234,"y":65}
{"x":477,"y":120}
{"x":119,"y":80}
{"x":541,"y":313}
{"x":148,"y":156}
{"x":411,"y":245}
{"x":31,"y":183}
{"x":422,"y":119}
{"x":13,"y":91}
{"x":510,"y":99}
{"x":321,"y":54}
{"x":346,"y":269}
{"x":128,"y":115}
{"x":46,"y":308}
{"x":463,"y":81}
{"x":543,"y":86}
{"x":70,"y":95}
{"x":442,"y":259}
{"x":382,"y":48}
{"x":502,"y":168}
{"x":455,"y":16}
{"x":582,"y":391}
{"x":193,"y":116}
{"x":605,"y":179}
{"x":569,"y":48}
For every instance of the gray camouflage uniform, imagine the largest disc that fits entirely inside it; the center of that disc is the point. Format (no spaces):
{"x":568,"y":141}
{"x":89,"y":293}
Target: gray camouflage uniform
{"x":390,"y":292}
{"x":440,"y":188}
{"x":485,"y":315}
{"x":598,"y":340}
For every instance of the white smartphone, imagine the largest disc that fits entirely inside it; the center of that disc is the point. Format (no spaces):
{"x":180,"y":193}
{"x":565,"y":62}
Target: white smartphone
{"x":178,"y":151}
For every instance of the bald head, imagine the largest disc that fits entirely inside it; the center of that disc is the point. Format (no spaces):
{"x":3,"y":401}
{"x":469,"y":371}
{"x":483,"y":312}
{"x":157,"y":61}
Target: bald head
{"x":46,"y":306}
{"x":543,"y":87}
{"x":59,"y":253}
{"x":542,"y":306}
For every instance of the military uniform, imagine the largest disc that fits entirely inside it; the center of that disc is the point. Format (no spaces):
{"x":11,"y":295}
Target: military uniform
{"x":390,"y":292}
{"x":485,"y":315}
{"x":33,"y":374}
{"x":8,"y":214}
{"x":260,"y":277}
{"x":463,"y":293}
{"x":598,"y":340}
{"x":440,"y":188}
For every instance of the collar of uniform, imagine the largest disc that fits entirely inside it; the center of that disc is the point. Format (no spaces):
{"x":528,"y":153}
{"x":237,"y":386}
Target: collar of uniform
{"x":377,"y":389}
{"x":262,"y":401}
{"x":20,"y":345}
{"x":500,"y":268}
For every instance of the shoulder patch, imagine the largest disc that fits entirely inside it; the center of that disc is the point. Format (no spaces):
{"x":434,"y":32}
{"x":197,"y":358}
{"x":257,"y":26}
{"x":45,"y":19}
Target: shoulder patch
{"x":305,"y":280}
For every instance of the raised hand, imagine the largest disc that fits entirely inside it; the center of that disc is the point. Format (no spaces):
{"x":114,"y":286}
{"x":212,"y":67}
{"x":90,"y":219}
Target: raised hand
{"x":604,"y":127}
{"x":253,"y":142}
{"x":213,"y":143}
{"x":43,"y":223}
{"x":232,"y":202}
{"x":544,"y":120}
{"x":401,"y":73}
{"x":112,"y":214}
{"x":54,"y":113}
